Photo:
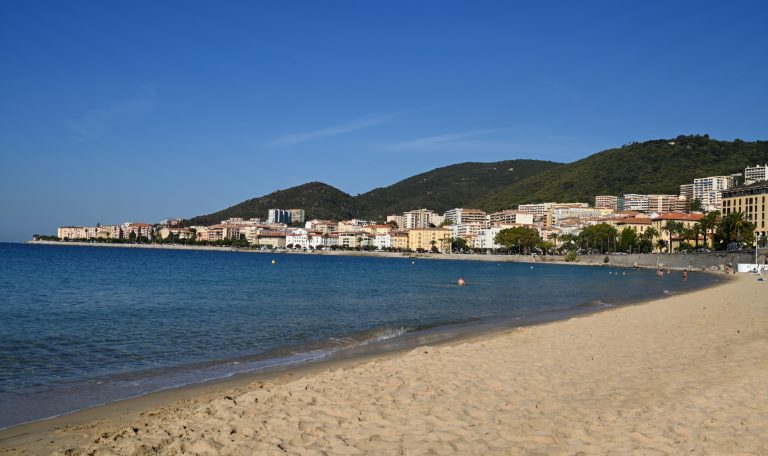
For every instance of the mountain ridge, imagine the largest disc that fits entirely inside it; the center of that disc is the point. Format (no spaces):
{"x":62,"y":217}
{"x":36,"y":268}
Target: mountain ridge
{"x":654,"y":166}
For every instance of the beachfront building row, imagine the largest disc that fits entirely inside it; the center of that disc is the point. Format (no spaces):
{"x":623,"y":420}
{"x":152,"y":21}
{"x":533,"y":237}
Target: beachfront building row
{"x":128,"y":230}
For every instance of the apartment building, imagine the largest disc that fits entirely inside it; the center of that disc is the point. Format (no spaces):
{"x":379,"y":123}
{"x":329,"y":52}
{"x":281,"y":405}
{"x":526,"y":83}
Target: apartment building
{"x":688,"y":220}
{"x":607,"y":202}
{"x":354,"y":239}
{"x":635,"y":202}
{"x":298,"y":238}
{"x":709,"y":191}
{"x":376,"y":230}
{"x":662,"y":203}
{"x":224,"y":232}
{"x":324,"y":226}
{"x":398,"y":219}
{"x":77,"y":232}
{"x":139,"y":230}
{"x":297,"y":215}
{"x":467,"y":229}
{"x":261,"y":237}
{"x":511,"y":216}
{"x":754,"y":174}
{"x":178,"y":233}
{"x":426,"y":238}
{"x":539,"y":211}
{"x":750,"y":200}
{"x":275,"y":216}
{"x":421,"y":218}
{"x":686,"y":191}
{"x":462,"y":215}
{"x":109,"y":232}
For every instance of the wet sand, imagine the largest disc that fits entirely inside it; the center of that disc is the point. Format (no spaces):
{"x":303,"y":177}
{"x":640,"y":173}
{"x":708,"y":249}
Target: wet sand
{"x":684,"y":374}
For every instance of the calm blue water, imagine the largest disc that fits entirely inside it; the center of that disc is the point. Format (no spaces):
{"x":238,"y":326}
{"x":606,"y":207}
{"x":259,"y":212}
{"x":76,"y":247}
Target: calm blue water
{"x":81,"y":326}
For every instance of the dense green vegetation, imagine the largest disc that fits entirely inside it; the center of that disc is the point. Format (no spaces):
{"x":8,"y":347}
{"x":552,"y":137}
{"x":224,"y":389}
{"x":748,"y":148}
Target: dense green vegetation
{"x":658,"y":166}
{"x":319,"y":200}
{"x":448,"y":187}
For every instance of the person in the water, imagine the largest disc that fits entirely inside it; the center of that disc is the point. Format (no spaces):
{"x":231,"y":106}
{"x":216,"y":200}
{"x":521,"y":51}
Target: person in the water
{"x":461,"y":281}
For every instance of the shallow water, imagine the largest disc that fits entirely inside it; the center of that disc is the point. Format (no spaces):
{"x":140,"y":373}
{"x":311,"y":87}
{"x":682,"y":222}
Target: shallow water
{"x":80,"y":326}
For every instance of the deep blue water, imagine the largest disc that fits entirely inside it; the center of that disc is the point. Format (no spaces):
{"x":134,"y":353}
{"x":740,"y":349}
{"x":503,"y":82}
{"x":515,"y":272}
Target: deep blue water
{"x":81,"y":326}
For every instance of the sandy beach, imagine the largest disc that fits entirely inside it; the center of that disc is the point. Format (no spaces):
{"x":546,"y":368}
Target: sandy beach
{"x":680,"y":375}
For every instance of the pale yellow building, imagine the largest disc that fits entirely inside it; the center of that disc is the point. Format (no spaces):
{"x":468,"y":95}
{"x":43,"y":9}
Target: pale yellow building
{"x":399,"y":240}
{"x":377,"y":230}
{"x":750,"y":200}
{"x":426,"y":238}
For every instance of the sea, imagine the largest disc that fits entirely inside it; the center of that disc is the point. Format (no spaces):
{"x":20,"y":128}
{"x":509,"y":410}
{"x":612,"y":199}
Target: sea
{"x":83,"y":326}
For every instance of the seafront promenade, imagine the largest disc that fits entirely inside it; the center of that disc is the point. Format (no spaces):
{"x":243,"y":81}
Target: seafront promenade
{"x":713,"y":261}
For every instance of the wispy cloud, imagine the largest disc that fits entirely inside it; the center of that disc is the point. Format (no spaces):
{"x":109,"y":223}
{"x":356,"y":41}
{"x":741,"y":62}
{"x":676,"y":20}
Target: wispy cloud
{"x":430,"y":142}
{"x":336,"y":130}
{"x":96,"y":122}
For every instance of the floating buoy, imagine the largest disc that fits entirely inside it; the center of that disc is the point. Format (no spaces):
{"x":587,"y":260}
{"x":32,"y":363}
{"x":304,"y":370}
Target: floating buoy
{"x":413,"y":262}
{"x":274,"y":261}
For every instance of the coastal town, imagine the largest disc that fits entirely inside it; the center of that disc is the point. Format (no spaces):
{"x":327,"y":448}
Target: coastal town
{"x":715,"y":212}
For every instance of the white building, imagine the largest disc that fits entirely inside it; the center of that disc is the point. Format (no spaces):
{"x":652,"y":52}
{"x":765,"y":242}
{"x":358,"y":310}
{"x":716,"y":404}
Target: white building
{"x":686,"y":191}
{"x":486,"y":238}
{"x":467,"y":229}
{"x":278,"y":216}
{"x":754,"y":174}
{"x":322,"y":240}
{"x":538,"y":210}
{"x":382,"y":241}
{"x":708,"y":191}
{"x":511,"y":216}
{"x":298,"y":238}
{"x":463,"y":215}
{"x":635,"y":202}
{"x":421,"y":218}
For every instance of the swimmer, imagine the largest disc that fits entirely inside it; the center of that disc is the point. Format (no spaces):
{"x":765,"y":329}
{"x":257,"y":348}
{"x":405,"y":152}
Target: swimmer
{"x":461,"y":281}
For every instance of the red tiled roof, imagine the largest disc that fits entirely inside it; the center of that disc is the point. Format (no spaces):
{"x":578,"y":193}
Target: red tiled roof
{"x":679,"y":216}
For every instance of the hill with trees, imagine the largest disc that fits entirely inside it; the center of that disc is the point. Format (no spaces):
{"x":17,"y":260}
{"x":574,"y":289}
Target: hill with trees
{"x":448,"y":187}
{"x":439,"y":189}
{"x":658,"y":166}
{"x":319,"y":200}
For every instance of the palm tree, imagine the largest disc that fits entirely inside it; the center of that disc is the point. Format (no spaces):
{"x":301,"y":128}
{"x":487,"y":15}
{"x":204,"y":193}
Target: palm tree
{"x":710,"y":222}
{"x":648,"y":235}
{"x":696,"y":231}
{"x":735,"y":221}
{"x":672,"y":227}
{"x":661,"y":244}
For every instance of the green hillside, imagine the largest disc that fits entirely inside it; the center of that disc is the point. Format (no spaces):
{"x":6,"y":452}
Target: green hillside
{"x":319,"y":200}
{"x":439,"y":189}
{"x":448,"y":187}
{"x":658,"y":166}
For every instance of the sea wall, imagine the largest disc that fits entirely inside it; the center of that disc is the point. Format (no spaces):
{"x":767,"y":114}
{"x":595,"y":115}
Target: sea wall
{"x":713,"y":260}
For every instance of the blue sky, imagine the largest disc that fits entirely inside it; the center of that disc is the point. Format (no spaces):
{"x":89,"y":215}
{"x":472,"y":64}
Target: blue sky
{"x":118,"y":111}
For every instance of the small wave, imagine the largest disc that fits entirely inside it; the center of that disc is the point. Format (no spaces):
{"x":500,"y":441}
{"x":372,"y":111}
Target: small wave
{"x":383,"y":334}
